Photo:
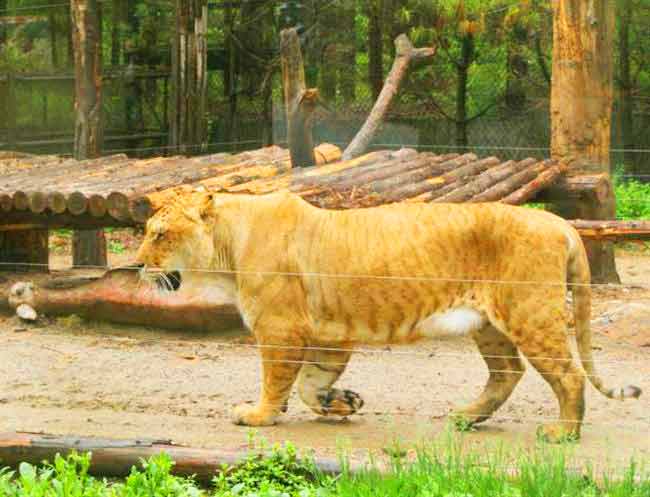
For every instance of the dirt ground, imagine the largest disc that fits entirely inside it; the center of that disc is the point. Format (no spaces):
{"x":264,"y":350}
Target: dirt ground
{"x":66,"y":376}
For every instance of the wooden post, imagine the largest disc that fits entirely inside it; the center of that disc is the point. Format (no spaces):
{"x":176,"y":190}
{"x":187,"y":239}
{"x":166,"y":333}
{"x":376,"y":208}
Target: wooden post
{"x":581,"y":107}
{"x":89,"y":246}
{"x":299,"y":102}
{"x":187,"y":123}
{"x":20,"y":250}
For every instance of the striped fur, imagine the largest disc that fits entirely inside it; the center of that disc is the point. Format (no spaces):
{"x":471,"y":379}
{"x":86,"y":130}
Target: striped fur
{"x":307,"y":277}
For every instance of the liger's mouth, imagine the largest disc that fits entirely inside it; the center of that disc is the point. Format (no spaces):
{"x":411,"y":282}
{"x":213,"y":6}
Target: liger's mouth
{"x":169,"y":282}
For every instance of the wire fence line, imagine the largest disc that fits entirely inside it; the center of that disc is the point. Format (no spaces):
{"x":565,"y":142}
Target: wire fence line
{"x":307,"y":274}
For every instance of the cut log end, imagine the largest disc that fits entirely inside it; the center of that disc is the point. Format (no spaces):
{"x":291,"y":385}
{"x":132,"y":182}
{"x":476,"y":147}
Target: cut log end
{"x":26,"y":313}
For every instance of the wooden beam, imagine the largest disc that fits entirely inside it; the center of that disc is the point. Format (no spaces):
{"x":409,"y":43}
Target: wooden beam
{"x":613,"y":230}
{"x":57,"y":221}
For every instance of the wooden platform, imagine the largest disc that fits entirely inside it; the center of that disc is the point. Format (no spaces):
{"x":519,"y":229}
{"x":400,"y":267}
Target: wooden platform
{"x":49,"y":191}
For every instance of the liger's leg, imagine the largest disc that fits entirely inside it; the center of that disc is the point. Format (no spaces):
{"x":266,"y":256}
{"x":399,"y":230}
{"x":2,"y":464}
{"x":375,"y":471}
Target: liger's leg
{"x":320,"y":372}
{"x":505,"y":368}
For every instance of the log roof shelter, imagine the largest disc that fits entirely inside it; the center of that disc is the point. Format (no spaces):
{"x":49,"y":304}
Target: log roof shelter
{"x":38,"y":192}
{"x":118,"y":191}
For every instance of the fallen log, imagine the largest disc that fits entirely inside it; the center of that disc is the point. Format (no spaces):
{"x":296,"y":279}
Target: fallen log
{"x":119,"y":296}
{"x":115,"y":458}
{"x":405,"y":53}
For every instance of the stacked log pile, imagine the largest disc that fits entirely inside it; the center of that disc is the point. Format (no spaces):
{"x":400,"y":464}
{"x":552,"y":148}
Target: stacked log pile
{"x":50,"y":191}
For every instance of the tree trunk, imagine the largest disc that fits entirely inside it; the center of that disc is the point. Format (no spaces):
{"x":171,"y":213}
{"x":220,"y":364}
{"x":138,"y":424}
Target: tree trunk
{"x":581,"y":106}
{"x":299,"y":102}
{"x":467,"y":55}
{"x":625,"y":82}
{"x":116,"y":21}
{"x":328,"y":83}
{"x":187,"y":127}
{"x":54,"y":49}
{"x":3,"y":29}
{"x":230,"y":75}
{"x":375,"y":48}
{"x":89,"y":247}
{"x":347,"y":60}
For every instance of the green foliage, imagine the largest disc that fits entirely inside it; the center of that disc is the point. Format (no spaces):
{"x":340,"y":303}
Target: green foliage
{"x":449,"y":470}
{"x":446,"y":469}
{"x":281,"y":474}
{"x":68,"y":477}
{"x":156,"y":480}
{"x":632,"y":199}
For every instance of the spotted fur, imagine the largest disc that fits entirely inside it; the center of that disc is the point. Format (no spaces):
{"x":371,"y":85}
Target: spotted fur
{"x":304,"y":277}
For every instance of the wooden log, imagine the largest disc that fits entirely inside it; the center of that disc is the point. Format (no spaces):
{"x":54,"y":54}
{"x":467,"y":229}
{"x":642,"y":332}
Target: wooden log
{"x":375,"y":187}
{"x":612,"y":230}
{"x":452,"y":180}
{"x":20,"y":200}
{"x":115,"y":458}
{"x":117,"y":205}
{"x":97,"y":205}
{"x":120,"y":296}
{"x":89,"y":249}
{"x":299,"y":102}
{"x":512,"y":183}
{"x":418,"y":182}
{"x":6,"y":202}
{"x":528,"y":191}
{"x":76,"y":203}
{"x":37,"y":202}
{"x":182,"y":170}
{"x":353,"y":175}
{"x":482,"y":182}
{"x":326,"y":153}
{"x":236,"y":178}
{"x":595,"y":186}
{"x":308,"y":175}
{"x":405,"y":53}
{"x":56,"y":202}
{"x":53,"y":172}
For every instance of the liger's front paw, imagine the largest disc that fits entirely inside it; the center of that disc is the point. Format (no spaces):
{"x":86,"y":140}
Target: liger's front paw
{"x":246,"y":415}
{"x":339,"y":402}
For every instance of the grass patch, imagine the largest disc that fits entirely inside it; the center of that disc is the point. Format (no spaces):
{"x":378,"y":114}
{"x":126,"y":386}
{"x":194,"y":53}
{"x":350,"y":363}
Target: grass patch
{"x":445,"y":470}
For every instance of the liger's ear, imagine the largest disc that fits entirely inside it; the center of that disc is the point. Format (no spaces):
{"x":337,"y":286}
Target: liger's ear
{"x":206,"y":209}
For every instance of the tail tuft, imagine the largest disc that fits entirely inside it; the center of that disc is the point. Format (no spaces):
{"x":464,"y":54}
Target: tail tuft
{"x":628,"y":392}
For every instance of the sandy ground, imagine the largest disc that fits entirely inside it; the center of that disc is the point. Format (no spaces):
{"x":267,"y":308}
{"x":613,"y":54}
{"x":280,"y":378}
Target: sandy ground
{"x":65,"y":376}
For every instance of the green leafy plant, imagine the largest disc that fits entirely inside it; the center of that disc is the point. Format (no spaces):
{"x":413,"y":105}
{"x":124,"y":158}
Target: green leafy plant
{"x":280,"y":473}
